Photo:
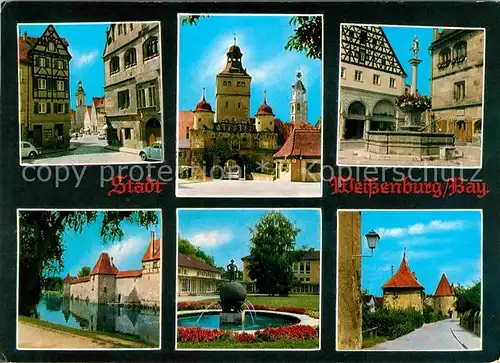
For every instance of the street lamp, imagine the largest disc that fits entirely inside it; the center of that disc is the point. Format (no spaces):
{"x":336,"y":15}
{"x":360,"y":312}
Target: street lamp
{"x":372,"y":238}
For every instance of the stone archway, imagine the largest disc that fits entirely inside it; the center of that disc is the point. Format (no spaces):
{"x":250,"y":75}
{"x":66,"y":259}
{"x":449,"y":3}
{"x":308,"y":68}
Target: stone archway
{"x":384,"y":116}
{"x":355,"y":121}
{"x":153,"y":131}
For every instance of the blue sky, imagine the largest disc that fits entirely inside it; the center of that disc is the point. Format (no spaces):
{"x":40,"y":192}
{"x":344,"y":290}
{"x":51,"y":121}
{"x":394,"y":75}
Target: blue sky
{"x":83,"y":249}
{"x":401,"y":39}
{"x":225,"y":234}
{"x":262,"y":40}
{"x":436,"y":242}
{"x":86,"y":45}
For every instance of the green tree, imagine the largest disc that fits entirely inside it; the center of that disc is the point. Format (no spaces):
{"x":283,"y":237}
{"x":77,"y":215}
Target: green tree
{"x":41,"y":247}
{"x":468,"y":298}
{"x":85,"y":271}
{"x":272,"y":254}
{"x":53,"y":283}
{"x":307,"y":35}
{"x":186,"y":248}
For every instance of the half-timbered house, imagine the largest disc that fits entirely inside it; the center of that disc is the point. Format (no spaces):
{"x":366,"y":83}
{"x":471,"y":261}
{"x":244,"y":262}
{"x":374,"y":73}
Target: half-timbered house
{"x":44,"y":89}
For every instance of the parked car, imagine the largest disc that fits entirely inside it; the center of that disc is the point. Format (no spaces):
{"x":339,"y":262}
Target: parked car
{"x":28,"y":150}
{"x":152,"y":152}
{"x":101,"y":136}
{"x":232,"y":174}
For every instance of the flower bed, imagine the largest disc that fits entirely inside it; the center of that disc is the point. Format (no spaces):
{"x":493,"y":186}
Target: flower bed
{"x":287,"y":332}
{"x":416,"y":101}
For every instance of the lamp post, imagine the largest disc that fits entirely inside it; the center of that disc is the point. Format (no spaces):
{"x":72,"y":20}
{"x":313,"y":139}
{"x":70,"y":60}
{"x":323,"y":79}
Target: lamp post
{"x":372,"y":239}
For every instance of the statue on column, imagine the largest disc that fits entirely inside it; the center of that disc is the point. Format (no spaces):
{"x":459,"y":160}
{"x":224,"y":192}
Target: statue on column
{"x":415,"y":47}
{"x":232,"y":270}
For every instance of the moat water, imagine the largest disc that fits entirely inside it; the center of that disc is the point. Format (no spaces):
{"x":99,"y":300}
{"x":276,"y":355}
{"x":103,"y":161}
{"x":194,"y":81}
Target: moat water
{"x":142,"y":323}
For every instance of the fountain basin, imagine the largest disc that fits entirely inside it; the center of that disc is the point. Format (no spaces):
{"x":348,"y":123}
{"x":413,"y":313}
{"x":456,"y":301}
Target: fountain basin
{"x":419,"y":145}
{"x":262,"y":319}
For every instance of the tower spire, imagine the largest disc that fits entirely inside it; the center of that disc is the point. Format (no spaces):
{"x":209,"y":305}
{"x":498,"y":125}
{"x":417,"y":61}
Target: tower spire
{"x":265,"y":96}
{"x":234,"y":35}
{"x":203,"y":93}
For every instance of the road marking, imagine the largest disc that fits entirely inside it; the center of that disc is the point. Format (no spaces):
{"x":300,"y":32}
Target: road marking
{"x":458,"y":340}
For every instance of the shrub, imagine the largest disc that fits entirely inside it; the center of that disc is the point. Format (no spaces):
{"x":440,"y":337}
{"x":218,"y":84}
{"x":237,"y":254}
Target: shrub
{"x":313,"y":314}
{"x":196,"y":305}
{"x":244,"y":337}
{"x":393,"y":323}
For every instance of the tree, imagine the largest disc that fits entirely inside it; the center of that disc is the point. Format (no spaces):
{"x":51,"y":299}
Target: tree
{"x":468,"y":298}
{"x":273,"y":253}
{"x":186,"y":248}
{"x":307,"y":35}
{"x":85,"y":271}
{"x":41,"y":247}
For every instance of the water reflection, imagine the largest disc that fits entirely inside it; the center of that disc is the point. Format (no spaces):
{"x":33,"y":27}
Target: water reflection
{"x":139,"y":322}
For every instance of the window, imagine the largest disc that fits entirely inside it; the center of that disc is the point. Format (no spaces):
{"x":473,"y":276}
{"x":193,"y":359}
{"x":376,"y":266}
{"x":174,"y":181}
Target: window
{"x":243,"y":84}
{"x":42,"y":107}
{"x":127,"y":133}
{"x":123,"y":100}
{"x":42,"y":62}
{"x":376,"y":79}
{"x":444,"y":57}
{"x":48,"y":134}
{"x":52,"y":46}
{"x":130,"y":58}
{"x":308,"y":267}
{"x":224,"y":83}
{"x":342,"y":72}
{"x":460,"y":50}
{"x":146,"y":95}
{"x":239,"y":105}
{"x":185,"y":285}
{"x":227,"y":104}
{"x":229,"y":83}
{"x":358,"y":76}
{"x":60,"y":85}
{"x":298,"y":107}
{"x":392,"y":82}
{"x":42,"y":83}
{"x":187,"y":132}
{"x":362,"y":37}
{"x":374,"y":41}
{"x":131,"y":26}
{"x":59,"y":107}
{"x":120,"y":29}
{"x":60,"y":64}
{"x":114,"y":65}
{"x":362,"y":56}
{"x":459,"y":91}
{"x":150,"y":48}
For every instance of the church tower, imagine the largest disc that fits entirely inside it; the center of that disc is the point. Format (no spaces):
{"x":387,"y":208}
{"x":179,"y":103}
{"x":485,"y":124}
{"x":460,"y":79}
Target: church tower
{"x":298,"y":104}
{"x":232,"y":89}
{"x":81,"y":108}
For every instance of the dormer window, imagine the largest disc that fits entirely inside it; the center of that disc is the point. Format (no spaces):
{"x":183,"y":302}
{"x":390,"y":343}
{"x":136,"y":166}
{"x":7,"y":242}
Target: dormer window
{"x":114,"y":65}
{"x":150,"y":48}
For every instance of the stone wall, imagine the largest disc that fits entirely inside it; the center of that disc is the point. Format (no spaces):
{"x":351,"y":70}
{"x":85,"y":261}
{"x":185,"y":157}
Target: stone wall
{"x":127,"y":290}
{"x":81,"y":291}
{"x":443,"y":304}
{"x":232,"y":99}
{"x":349,"y":319}
{"x":403,"y":299}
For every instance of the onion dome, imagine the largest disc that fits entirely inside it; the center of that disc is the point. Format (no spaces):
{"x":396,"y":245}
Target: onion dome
{"x":265,"y":109}
{"x":203,"y":105}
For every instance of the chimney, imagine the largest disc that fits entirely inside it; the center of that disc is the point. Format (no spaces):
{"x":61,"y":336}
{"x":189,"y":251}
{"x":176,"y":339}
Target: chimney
{"x":25,"y":35}
{"x":392,"y":270}
{"x":415,"y":276}
{"x":435,"y":34}
{"x":112,"y":263}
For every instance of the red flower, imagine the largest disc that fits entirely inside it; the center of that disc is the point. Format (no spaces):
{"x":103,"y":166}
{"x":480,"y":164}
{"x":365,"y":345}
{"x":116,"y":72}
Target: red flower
{"x":195,"y":334}
{"x":244,"y":337}
{"x":293,"y":332}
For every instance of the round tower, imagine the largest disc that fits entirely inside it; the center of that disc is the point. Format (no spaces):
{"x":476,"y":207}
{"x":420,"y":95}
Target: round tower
{"x":264,"y":118}
{"x":203,"y":115}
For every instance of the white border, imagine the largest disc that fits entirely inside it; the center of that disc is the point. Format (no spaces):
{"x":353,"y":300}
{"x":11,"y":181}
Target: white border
{"x":177,"y":180}
{"x":160,"y":313}
{"x":162,"y":110}
{"x":320,"y":279}
{"x":408,"y":350}
{"x":420,"y":163}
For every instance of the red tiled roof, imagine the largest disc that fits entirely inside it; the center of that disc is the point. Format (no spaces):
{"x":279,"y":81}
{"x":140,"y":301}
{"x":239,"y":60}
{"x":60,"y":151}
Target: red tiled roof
{"x":77,"y":280}
{"x":444,"y":288}
{"x":302,"y":142}
{"x":89,"y":110}
{"x":403,"y":278}
{"x":186,"y":120}
{"x":192,"y":262}
{"x":285,"y":129}
{"x":104,"y":266}
{"x":98,"y":101}
{"x":26,"y":43}
{"x":264,"y":110}
{"x":129,"y":273}
{"x":153,"y":252}
{"x":203,"y":106}
{"x":67,"y":279}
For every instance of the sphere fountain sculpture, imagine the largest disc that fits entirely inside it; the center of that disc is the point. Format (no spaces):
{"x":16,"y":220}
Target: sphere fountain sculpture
{"x":232,"y":297}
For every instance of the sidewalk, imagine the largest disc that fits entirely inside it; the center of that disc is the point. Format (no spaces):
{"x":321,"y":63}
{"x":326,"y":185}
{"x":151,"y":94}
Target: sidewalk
{"x":122,"y":149}
{"x":54,"y":151}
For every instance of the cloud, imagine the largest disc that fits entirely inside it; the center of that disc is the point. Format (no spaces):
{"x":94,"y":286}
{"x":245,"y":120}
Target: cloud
{"x":421,"y":229}
{"x":132,"y":246}
{"x":211,"y":239}
{"x":83,"y":60}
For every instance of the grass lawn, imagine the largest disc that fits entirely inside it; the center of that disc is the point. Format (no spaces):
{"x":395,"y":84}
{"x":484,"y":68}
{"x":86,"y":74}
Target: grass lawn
{"x":282,"y":344}
{"x":372,"y":341}
{"x":99,"y":336}
{"x":310,"y":302}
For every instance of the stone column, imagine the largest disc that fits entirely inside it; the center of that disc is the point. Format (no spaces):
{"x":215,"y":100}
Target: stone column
{"x":349,"y":281}
{"x":342,"y":127}
{"x":414,"y":71}
{"x":366,"y":128}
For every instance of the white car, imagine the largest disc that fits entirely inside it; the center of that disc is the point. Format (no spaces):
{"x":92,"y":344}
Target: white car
{"x":28,"y":150}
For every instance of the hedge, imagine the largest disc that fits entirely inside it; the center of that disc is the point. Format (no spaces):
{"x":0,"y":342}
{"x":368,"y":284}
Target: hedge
{"x":393,"y":323}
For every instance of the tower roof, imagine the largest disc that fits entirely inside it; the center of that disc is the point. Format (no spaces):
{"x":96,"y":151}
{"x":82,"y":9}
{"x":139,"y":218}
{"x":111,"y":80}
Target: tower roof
{"x":104,"y":266}
{"x":68,"y":278}
{"x":265,"y":109}
{"x":153,"y":252}
{"x":298,"y":85}
{"x":444,"y":288}
{"x":234,"y":65}
{"x":203,"y":105}
{"x":403,"y":278}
